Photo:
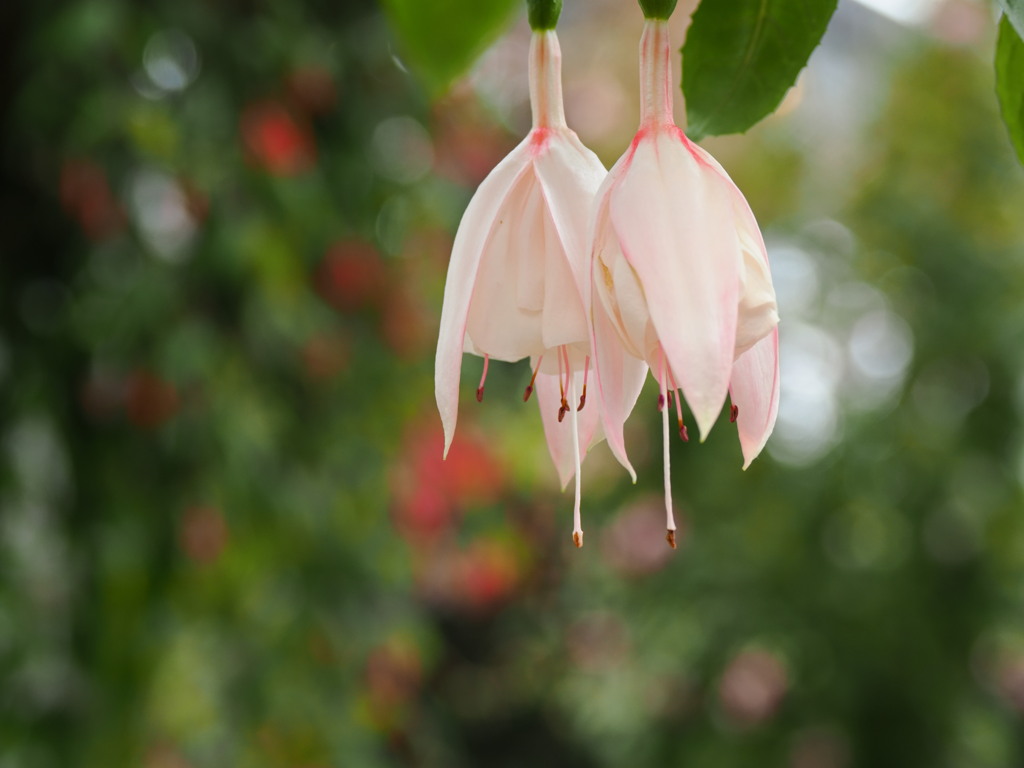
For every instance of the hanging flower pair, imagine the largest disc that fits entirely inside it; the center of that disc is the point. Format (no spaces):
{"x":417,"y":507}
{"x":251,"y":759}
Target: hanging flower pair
{"x":597,"y":277}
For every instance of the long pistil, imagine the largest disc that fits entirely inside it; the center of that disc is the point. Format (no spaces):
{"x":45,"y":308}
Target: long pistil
{"x":577,"y":526}
{"x":670,"y":522}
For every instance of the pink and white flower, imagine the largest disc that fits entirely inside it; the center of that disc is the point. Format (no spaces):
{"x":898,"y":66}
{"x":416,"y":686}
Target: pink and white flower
{"x":518,"y":283}
{"x":681,"y":275}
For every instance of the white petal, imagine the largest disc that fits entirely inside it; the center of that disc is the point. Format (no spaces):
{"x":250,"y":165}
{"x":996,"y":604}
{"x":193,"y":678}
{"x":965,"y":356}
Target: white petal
{"x":497,"y":324}
{"x":524,"y":265}
{"x":674,"y":219}
{"x":620,"y":377}
{"x":559,"y":434}
{"x":758,"y":312}
{"x":564,"y":317}
{"x":470,"y":241}
{"x":631,"y":304}
{"x":755,"y":392}
{"x":754,"y":387}
{"x":570,"y":175}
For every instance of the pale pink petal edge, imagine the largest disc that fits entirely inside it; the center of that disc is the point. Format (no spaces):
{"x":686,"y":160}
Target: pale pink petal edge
{"x":471,"y":240}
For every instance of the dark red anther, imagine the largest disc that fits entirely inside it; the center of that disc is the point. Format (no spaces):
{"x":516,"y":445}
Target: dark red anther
{"x":583,"y":399}
{"x":670,"y":537}
{"x":661,"y":402}
{"x":564,"y":409}
{"x":734,"y":412}
{"x":479,"y":394}
{"x":527,"y":393}
{"x":683,"y":433}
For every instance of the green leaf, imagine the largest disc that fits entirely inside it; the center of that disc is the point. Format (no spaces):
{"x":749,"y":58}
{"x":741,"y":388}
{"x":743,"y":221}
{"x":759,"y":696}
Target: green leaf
{"x":741,"y":56}
{"x":1010,"y":82}
{"x":441,"y":38}
{"x":1015,"y":13}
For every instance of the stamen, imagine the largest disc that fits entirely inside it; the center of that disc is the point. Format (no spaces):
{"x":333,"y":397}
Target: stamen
{"x":563,"y":386}
{"x":533,"y":379}
{"x":679,"y":417}
{"x":734,"y":413}
{"x":674,"y":393}
{"x":661,"y":401}
{"x":564,"y":352}
{"x":561,"y":380}
{"x":586,"y":373}
{"x":670,"y":522}
{"x":483,"y":378}
{"x":577,"y":527}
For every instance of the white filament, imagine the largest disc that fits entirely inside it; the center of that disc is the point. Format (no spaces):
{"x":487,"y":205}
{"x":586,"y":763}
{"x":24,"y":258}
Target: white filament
{"x":577,"y":527}
{"x":670,"y":521}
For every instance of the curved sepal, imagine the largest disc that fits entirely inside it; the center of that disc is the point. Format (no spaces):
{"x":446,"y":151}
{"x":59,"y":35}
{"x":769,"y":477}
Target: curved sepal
{"x":755,"y":392}
{"x":470,"y":242}
{"x":674,"y":219}
{"x":559,"y":433}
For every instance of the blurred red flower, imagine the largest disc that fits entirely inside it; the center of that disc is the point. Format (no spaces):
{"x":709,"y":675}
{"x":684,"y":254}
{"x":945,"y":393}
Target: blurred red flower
{"x":352,"y":276}
{"x":324,"y":356}
{"x":275,"y":140}
{"x":203,"y":534}
{"x":487,"y":573}
{"x":149,"y":401}
{"x":467,"y":144}
{"x":429,"y":491}
{"x":85,"y":196}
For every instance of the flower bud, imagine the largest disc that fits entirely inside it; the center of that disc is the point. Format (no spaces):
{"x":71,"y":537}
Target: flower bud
{"x":544,"y":14}
{"x":657,"y":9}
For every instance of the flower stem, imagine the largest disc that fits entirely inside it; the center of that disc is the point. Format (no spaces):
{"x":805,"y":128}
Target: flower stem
{"x":546,"y":80}
{"x":655,"y":74}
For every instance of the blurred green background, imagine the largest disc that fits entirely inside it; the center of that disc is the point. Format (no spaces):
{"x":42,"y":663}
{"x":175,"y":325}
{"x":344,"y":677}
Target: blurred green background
{"x":226,"y":534}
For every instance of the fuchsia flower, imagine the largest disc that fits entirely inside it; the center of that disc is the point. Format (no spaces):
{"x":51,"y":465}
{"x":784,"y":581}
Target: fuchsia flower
{"x":682,"y":278}
{"x":518,"y":281}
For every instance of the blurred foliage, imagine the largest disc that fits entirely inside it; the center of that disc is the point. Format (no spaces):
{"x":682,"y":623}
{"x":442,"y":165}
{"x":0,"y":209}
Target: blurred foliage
{"x":443,"y":38}
{"x":227,"y":534}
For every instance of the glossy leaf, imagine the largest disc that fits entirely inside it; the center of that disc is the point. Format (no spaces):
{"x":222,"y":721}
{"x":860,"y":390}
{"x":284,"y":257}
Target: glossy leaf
{"x":439,"y":40}
{"x":1010,"y":82}
{"x":742,"y":56}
